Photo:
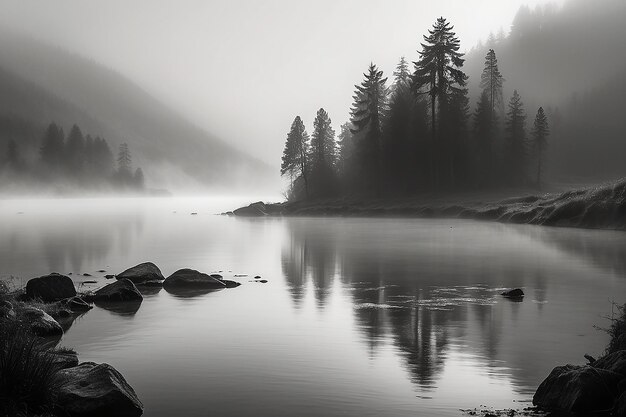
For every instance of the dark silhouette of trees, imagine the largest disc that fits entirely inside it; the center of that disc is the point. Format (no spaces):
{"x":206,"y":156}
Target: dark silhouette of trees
{"x":138,"y":179}
{"x":515,"y":130}
{"x":75,"y":151}
{"x":52,"y":149}
{"x":370,"y":104}
{"x":491,"y":81}
{"x":295,"y":158}
{"x":322,"y":155}
{"x":13,"y":160}
{"x":438,"y":74}
{"x":539,"y":135}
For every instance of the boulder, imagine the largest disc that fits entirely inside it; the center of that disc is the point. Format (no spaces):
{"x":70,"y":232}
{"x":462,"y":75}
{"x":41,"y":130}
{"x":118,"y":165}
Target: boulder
{"x":257,"y":209}
{"x":515,"y":293}
{"x":578,"y":389}
{"x":192,"y":278}
{"x":64,"y":359}
{"x":122,"y":290}
{"x":138,"y":274}
{"x":77,"y":305}
{"x":48,"y":288}
{"x":614,"y":362}
{"x":96,"y":390}
{"x":39,"y":322}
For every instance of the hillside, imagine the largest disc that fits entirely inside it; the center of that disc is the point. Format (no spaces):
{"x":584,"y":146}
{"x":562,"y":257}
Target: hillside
{"x":56,"y":85}
{"x":568,"y":60}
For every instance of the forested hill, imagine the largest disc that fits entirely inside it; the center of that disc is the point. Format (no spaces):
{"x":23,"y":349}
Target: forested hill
{"x":54,"y":85}
{"x":571,"y":60}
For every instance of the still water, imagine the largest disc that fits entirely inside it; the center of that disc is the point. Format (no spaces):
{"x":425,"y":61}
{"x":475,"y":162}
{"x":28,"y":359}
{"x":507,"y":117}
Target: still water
{"x":360,"y":317}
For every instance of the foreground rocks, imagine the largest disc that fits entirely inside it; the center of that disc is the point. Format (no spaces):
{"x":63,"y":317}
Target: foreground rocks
{"x":146,"y":272}
{"x":48,"y":288}
{"x":122,"y":290}
{"x":39,"y":322}
{"x":586,"y":389}
{"x":514,"y":294}
{"x":190,"y":278}
{"x":94,"y":390}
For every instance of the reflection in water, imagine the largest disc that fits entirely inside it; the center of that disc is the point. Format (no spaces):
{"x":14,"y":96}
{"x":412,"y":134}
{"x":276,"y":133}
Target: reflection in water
{"x":121,"y":308}
{"x":395,"y":287}
{"x":186,"y":292}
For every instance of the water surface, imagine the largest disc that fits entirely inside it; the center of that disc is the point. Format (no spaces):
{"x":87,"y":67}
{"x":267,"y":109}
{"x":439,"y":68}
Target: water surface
{"x":360,"y":317}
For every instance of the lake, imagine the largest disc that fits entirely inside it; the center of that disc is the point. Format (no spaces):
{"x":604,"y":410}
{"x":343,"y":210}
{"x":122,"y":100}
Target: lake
{"x":360,"y":317}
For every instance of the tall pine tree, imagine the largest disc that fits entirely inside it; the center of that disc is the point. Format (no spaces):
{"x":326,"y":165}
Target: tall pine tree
{"x":295,"y":157}
{"x":515,"y":129}
{"x":322,"y":155}
{"x":539,"y":134}
{"x":491,"y":82}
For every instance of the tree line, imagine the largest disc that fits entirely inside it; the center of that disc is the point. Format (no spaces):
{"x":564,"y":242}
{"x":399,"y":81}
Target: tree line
{"x":417,"y":133}
{"x":75,"y":159}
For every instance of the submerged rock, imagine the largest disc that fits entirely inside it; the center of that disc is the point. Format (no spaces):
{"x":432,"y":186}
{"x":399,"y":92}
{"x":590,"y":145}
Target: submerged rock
{"x":92,"y":389}
{"x":515,"y":293}
{"x":77,"y":304}
{"x":39,"y":322}
{"x":48,"y":288}
{"x":141,"y":273}
{"x":578,"y":389}
{"x":191,"y":278}
{"x":122,"y":290}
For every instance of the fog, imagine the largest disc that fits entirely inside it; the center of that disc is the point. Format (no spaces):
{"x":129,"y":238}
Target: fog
{"x":237,"y":73}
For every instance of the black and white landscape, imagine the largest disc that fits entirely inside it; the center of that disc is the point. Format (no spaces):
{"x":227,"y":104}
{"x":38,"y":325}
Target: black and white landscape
{"x":353,"y":208}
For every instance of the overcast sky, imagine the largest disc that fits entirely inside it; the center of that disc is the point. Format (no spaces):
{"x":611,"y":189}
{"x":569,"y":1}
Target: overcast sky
{"x":243,"y":69}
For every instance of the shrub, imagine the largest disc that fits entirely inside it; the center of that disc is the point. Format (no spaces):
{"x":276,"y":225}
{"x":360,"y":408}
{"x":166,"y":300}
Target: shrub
{"x":28,"y":372}
{"x":617,"y":330}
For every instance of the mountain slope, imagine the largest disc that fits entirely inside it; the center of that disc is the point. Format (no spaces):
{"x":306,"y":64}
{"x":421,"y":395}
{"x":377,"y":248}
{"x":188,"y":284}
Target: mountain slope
{"x":56,"y":85}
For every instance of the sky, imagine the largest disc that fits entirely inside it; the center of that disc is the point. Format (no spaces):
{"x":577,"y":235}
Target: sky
{"x":243,"y":69}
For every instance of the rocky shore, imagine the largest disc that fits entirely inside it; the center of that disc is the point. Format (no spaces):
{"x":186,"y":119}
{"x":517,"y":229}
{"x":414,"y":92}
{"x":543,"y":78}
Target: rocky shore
{"x":32,"y":323}
{"x":602,"y":207}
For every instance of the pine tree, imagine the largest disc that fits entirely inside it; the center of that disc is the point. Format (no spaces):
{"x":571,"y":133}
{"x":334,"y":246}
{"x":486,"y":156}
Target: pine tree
{"x":102,"y":157}
{"x":124,"y":165}
{"x":540,"y":133}
{"x":402,"y":75}
{"x":515,"y":130}
{"x":368,"y":110}
{"x":491,"y":81}
{"x":455,"y":162}
{"x":484,"y":135}
{"x":345,"y":144}
{"x":437,"y":73}
{"x":51,"y":151}
{"x":138,"y":179}
{"x":322,"y":154}
{"x":295,"y":155}
{"x":75,"y":152}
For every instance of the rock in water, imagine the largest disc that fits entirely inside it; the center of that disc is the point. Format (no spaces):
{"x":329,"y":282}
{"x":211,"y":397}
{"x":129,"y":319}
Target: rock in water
{"x":141,"y":273}
{"x":516,"y":293}
{"x":92,"y":389}
{"x":122,"y":290}
{"x":53,"y":287}
{"x":39,"y":322}
{"x":77,"y":304}
{"x":257,"y":209}
{"x":577,"y":389}
{"x":192,"y":278}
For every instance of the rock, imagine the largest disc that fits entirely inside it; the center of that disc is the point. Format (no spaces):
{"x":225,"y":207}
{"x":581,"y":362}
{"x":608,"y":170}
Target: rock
{"x":614,"y":362}
{"x":192,"y":278}
{"x":257,"y":277}
{"x":89,"y":282}
{"x":39,"y":322}
{"x":6,"y":310}
{"x":155,"y":283}
{"x":77,"y":304}
{"x":64,"y":359}
{"x":577,"y":389}
{"x":257,"y":209}
{"x":92,"y":389}
{"x":516,"y":293}
{"x":53,"y":287}
{"x":86,"y":274}
{"x":217,"y":276}
{"x":109,"y":276}
{"x":122,"y":290}
{"x":231,"y":284}
{"x":101,"y":270}
{"x":146,"y":271}
{"x":263,"y":281}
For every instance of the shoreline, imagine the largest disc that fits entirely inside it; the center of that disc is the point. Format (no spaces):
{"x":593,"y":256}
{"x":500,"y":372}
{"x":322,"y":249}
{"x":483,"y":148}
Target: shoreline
{"x":601,"y":207}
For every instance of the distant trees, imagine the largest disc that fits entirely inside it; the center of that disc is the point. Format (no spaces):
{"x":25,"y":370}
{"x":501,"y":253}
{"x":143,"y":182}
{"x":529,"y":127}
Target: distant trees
{"x":539,"y":136}
{"x":77,"y":161}
{"x":515,"y":130}
{"x":415,"y":134}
